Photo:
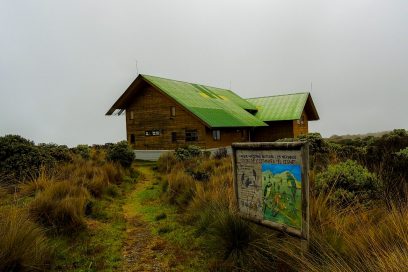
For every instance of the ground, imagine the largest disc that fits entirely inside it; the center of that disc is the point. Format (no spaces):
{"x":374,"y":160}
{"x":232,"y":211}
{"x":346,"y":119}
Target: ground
{"x":133,"y":231}
{"x":154,"y":240}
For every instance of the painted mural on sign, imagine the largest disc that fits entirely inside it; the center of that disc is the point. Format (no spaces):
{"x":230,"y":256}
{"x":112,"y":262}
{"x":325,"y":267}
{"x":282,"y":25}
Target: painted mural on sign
{"x":282,"y":194}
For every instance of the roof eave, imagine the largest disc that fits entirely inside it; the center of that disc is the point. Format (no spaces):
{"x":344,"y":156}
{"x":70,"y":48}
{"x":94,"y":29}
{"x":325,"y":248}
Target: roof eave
{"x":122,"y":100}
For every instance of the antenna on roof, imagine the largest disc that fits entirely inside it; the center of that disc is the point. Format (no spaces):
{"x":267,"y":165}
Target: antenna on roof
{"x":137,"y":70}
{"x":311,"y":86}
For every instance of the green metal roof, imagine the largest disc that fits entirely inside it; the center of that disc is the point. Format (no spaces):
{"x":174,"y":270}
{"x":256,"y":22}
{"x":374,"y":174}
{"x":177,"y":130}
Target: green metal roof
{"x":216,"y":107}
{"x":280,"y":107}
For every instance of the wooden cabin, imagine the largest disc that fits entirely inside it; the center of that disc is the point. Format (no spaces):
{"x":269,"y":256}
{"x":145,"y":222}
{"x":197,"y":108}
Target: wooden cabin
{"x":163,"y":114}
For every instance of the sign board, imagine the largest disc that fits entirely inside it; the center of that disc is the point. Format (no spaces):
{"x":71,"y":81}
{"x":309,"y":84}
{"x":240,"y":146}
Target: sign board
{"x":271,"y":184}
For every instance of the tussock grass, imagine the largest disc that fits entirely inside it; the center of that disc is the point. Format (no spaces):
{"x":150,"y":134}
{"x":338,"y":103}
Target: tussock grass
{"x":180,"y":188}
{"x":166,"y":162}
{"x":23,"y":245}
{"x":61,"y":205}
{"x":30,"y":188}
{"x":98,"y":178}
{"x":343,"y":236}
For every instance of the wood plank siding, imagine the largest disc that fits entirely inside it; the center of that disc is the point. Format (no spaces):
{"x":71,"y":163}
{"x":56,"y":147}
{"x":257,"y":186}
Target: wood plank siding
{"x":164,"y":114}
{"x":152,"y":115}
{"x":280,"y":130}
{"x":301,"y":127}
{"x":150,"y":125}
{"x":227,"y":136}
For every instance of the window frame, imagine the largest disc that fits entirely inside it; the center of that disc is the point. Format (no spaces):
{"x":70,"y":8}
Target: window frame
{"x":153,"y":132}
{"x":191,"y":135}
{"x":216,"y":134}
{"x":172,"y":111}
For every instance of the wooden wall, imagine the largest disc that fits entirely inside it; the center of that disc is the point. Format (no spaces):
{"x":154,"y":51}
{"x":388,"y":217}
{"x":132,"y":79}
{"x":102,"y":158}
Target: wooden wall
{"x":228,"y":136}
{"x":301,"y":127}
{"x":281,"y":129}
{"x":151,"y":111}
{"x":276,"y":130}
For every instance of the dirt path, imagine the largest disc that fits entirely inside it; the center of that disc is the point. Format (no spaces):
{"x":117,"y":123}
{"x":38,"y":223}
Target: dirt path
{"x":142,"y":250}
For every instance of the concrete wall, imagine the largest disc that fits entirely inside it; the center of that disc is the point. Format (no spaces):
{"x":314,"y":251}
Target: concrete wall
{"x":153,"y":155}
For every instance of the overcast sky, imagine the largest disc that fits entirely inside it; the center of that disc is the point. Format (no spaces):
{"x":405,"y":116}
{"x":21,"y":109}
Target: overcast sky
{"x":64,"y":63}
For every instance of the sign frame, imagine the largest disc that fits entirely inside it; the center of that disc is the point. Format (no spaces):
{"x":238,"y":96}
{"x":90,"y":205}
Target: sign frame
{"x":303,"y":148}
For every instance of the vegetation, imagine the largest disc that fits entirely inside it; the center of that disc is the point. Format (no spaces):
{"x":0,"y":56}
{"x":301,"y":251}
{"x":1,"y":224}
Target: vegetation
{"x":90,"y":209}
{"x":347,"y":182}
{"x":356,"y":223}
{"x":60,"y":209}
{"x":121,"y":153}
{"x":23,"y":244}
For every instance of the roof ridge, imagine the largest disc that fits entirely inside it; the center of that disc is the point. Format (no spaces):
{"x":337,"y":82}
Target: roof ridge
{"x":189,"y":83}
{"x":277,"y":95}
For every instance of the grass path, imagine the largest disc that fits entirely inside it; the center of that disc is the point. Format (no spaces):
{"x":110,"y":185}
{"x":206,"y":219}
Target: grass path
{"x":142,"y":250}
{"x":154,"y":239}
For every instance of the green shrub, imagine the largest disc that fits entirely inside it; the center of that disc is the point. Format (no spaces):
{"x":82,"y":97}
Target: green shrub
{"x":23,"y":245}
{"x":60,"y":153}
{"x":403,"y":153}
{"x":21,"y":159}
{"x":61,"y":205}
{"x":188,"y":152}
{"x":121,"y":153}
{"x":348,"y":181}
{"x":83,"y":150}
{"x":318,"y":150}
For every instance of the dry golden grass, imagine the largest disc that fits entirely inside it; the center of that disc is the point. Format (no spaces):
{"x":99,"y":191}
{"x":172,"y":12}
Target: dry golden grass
{"x":61,"y":205}
{"x":23,"y":245}
{"x":166,"y":162}
{"x":343,"y":238}
{"x":94,"y":176}
{"x":30,"y":188}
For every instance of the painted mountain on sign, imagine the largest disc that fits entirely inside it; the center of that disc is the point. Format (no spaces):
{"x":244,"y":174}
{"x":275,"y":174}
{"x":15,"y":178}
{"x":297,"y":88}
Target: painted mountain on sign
{"x":282,"y":194}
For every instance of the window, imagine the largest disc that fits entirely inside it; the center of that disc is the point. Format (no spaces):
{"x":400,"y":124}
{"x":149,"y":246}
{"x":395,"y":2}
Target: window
{"x":132,"y":138}
{"x":191,"y":135}
{"x":131,"y":115}
{"x":216,"y":134}
{"x":172,"y":111}
{"x":174,"y":137}
{"x":155,"y":132}
{"x":302,"y":120}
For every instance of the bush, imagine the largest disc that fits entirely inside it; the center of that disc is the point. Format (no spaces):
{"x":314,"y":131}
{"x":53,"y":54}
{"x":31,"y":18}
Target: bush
{"x":318,"y":150}
{"x":347,"y":182}
{"x":403,"y":153}
{"x":121,"y":153}
{"x":23,"y":245}
{"x":83,"y":150}
{"x":60,"y":153}
{"x":61,"y":205}
{"x":21,"y":159}
{"x":188,"y":152}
